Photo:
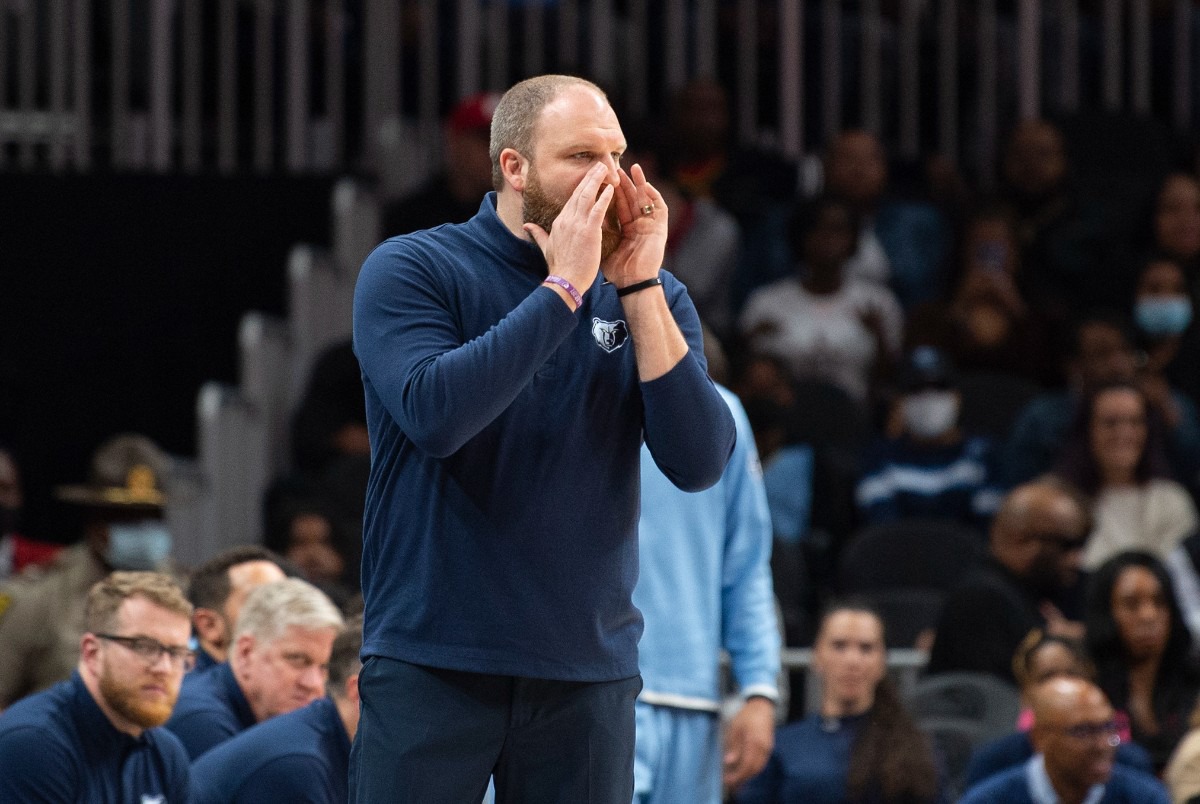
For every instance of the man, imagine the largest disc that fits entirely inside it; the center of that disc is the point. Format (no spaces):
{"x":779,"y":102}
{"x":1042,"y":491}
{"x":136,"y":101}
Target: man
{"x":506,"y":412}
{"x":301,"y":756}
{"x":278,"y":662}
{"x":41,"y":614}
{"x":94,"y":737}
{"x":218,"y":589}
{"x":931,"y":468}
{"x":900,"y":243}
{"x":1101,"y":353}
{"x":1036,"y":546}
{"x":1076,"y":739}
{"x":704,"y":584}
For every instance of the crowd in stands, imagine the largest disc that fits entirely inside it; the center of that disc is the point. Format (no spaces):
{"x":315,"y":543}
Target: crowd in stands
{"x":998,"y":393}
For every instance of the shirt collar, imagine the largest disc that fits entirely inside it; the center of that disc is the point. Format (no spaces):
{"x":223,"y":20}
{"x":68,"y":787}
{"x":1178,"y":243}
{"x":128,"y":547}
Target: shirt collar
{"x":498,"y":238}
{"x":241,"y":707}
{"x":1042,"y":791}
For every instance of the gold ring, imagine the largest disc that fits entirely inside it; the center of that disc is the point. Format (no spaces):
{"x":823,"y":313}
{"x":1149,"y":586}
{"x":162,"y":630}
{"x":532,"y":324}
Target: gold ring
{"x":648,"y":209}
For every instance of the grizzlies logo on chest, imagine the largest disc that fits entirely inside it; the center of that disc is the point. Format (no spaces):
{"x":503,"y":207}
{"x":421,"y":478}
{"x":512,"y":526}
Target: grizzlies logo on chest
{"x":610,"y":335}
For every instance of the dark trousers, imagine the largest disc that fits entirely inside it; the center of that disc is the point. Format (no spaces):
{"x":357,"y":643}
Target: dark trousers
{"x":433,"y":736}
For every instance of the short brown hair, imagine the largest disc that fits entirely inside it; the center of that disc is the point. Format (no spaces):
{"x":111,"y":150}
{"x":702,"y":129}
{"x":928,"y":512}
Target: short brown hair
{"x":106,"y":597}
{"x":517,"y":112}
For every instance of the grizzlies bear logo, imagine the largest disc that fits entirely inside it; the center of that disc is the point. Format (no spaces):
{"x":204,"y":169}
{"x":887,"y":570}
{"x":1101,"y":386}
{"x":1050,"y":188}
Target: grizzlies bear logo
{"x":611,"y":335}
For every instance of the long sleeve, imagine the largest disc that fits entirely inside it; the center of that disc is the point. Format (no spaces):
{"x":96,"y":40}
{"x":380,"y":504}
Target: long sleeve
{"x":749,"y":628}
{"x":440,"y":389}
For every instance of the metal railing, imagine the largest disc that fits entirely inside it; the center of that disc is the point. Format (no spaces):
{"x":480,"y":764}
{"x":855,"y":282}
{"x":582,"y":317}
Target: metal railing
{"x":330,"y":85}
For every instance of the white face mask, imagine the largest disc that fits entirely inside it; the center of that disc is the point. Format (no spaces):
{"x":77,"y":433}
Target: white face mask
{"x":930,"y":414}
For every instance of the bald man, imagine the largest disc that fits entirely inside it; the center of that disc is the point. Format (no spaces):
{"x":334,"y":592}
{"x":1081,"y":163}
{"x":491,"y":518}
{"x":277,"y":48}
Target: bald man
{"x":217,"y":590}
{"x":1076,"y":740}
{"x":1035,"y":549}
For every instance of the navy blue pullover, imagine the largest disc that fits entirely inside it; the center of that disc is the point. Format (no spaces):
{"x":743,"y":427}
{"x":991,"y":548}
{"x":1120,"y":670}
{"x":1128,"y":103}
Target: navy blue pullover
{"x":302,"y":757}
{"x":58,"y":745}
{"x":500,"y":533}
{"x":211,"y":709}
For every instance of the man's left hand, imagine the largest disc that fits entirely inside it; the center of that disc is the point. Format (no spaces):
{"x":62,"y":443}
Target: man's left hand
{"x":748,"y":742}
{"x":643,"y":244}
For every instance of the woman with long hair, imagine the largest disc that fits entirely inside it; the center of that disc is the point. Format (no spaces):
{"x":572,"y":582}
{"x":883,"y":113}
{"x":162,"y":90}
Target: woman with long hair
{"x":1115,"y":455}
{"x":1142,"y":650}
{"x":862,"y":746}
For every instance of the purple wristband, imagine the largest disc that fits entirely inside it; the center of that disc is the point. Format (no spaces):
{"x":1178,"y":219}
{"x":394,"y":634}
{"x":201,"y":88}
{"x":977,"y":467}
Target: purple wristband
{"x":567,"y":286}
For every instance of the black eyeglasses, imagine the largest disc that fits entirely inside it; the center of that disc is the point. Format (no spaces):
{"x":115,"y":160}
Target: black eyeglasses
{"x":1090,"y":731}
{"x":150,"y":650}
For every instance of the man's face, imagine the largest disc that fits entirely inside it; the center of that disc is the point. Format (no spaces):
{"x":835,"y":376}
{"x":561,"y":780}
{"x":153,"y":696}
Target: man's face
{"x":573,"y":132}
{"x":1078,"y":741}
{"x":141,"y":692}
{"x":286,"y":673}
{"x":1035,"y":163}
{"x":856,"y":168}
{"x":1047,"y":548}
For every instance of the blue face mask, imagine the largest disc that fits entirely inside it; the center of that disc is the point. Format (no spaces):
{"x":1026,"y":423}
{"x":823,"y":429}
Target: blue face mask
{"x":137,"y":545}
{"x":1163,"y":316}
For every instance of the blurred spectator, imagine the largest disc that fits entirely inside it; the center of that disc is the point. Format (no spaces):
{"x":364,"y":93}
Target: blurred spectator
{"x":901,"y":244}
{"x":17,"y":551}
{"x":1115,"y":455}
{"x":303,"y":755}
{"x":331,"y":459}
{"x":1182,"y":774}
{"x":1076,"y":741}
{"x":930,"y":468}
{"x":1064,"y":248}
{"x":1101,"y":353}
{"x":452,"y":194}
{"x":1163,"y":312}
{"x":277,"y":663}
{"x":819,"y":322}
{"x":331,"y":420}
{"x":862,"y":745}
{"x":217,"y":590}
{"x":1142,"y":650}
{"x":756,"y":187}
{"x":305,"y":534}
{"x":96,"y":737}
{"x":42,"y":613}
{"x":1176,"y":225}
{"x":704,"y":240}
{"x":1040,"y":658}
{"x":987,"y":325}
{"x":1035,"y":546}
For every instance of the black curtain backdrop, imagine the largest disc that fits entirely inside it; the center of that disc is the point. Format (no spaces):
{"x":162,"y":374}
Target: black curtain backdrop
{"x":119,"y":297}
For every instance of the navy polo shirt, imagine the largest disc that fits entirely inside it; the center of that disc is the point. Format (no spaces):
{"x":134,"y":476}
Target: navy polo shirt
{"x":58,"y":745}
{"x":211,"y":709}
{"x":204,"y":660}
{"x":302,"y":756}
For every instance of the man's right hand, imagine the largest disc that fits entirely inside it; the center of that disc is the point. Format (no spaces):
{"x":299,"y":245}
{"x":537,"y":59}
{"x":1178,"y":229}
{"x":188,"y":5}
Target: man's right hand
{"x":572,"y":247}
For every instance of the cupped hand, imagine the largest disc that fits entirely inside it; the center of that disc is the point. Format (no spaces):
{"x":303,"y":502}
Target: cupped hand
{"x":643,"y":244}
{"x":572,"y":247}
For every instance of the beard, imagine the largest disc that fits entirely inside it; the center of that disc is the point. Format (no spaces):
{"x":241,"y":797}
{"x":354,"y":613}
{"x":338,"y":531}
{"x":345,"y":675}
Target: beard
{"x":538,"y":207}
{"x":125,"y":698}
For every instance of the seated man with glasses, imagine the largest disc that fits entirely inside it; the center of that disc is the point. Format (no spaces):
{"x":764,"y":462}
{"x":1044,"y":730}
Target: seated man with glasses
{"x":1030,"y":580}
{"x":278,"y":662}
{"x":1076,"y":741}
{"x":95,"y":737}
